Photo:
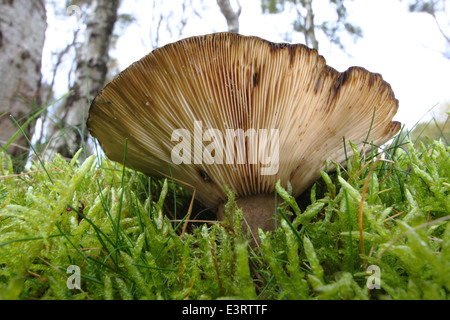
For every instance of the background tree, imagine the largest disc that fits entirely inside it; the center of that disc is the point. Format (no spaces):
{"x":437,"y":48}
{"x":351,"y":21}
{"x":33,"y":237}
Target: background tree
{"x":165,"y":23}
{"x":22,"y":34}
{"x":230,"y":15}
{"x":434,"y":8}
{"x":305,"y":21}
{"x":66,"y":131}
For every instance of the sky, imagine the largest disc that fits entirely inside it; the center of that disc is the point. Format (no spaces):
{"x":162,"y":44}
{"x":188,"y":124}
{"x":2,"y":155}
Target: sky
{"x":405,"y":48}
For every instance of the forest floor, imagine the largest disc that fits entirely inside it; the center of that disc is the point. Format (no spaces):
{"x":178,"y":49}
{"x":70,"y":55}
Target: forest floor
{"x":376,"y":229}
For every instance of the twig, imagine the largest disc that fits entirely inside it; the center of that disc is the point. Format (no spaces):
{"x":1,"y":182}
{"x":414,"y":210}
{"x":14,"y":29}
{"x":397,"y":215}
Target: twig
{"x":26,"y":173}
{"x":409,"y":231}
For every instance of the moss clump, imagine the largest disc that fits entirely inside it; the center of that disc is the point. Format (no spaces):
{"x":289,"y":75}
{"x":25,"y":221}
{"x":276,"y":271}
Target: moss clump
{"x":388,"y":215}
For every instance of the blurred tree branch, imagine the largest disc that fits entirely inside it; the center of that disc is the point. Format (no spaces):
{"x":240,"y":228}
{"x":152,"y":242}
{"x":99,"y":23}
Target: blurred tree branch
{"x":305,"y":21}
{"x":432,"y":8}
{"x":230,"y":15}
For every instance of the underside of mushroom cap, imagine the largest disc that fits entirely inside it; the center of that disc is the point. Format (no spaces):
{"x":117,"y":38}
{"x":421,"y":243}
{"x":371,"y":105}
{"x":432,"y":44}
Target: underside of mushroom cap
{"x":228,"y":81}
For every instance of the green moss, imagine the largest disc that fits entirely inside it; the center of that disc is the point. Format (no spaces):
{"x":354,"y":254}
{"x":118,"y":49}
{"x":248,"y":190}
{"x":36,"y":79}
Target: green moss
{"x":112,"y":223}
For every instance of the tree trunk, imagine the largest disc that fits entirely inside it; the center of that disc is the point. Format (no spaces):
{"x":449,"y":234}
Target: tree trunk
{"x":22,"y":34}
{"x":310,"y":36}
{"x":69,"y":134}
{"x":229,"y":14}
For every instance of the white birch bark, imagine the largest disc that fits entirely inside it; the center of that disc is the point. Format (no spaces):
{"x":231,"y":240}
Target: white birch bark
{"x":69,"y":134}
{"x":22,"y":34}
{"x":310,"y":36}
{"x":230,"y":15}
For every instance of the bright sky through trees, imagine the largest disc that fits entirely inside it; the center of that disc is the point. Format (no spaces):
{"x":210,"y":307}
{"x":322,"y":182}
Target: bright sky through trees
{"x":404,"y":47}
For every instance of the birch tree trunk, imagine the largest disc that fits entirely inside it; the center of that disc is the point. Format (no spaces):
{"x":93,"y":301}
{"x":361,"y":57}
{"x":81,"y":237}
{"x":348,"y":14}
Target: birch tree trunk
{"x":304,"y":22}
{"x":310,"y":35}
{"x":230,"y":15}
{"x":22,"y":34}
{"x":68,"y":133}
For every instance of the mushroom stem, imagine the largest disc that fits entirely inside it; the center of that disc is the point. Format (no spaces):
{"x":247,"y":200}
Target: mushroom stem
{"x":258,"y":211}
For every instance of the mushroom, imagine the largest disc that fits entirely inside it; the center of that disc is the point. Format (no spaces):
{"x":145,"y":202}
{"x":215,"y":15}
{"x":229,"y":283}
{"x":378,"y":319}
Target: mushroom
{"x":226,"y":109}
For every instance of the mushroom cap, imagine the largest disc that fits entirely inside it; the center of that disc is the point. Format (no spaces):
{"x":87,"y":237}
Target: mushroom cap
{"x":230,"y":81}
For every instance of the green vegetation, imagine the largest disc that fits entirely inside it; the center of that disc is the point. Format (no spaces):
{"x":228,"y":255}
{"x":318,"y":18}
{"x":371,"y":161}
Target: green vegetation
{"x":111,"y":222}
{"x":436,"y":128}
